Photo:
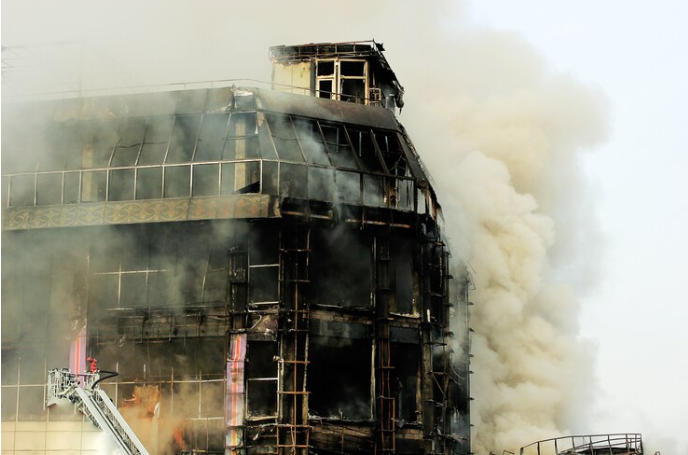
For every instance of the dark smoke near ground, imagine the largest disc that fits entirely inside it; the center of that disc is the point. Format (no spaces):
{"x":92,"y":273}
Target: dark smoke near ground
{"x":499,"y":131}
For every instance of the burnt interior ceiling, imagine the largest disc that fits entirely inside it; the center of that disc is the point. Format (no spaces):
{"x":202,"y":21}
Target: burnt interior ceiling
{"x":268,"y":269}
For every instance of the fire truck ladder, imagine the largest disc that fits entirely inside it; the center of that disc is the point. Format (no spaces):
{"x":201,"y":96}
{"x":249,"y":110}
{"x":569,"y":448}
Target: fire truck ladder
{"x":94,"y":402}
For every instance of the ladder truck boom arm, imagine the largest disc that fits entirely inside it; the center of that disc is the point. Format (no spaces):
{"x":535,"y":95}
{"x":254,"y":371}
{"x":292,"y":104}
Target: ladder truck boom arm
{"x":94,"y":402}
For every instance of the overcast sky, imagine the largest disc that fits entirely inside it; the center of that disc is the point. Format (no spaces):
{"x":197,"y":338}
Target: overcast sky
{"x":634,"y":52}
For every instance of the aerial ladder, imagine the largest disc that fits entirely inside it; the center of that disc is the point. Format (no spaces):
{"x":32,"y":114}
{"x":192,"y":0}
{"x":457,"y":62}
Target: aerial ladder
{"x":94,"y":402}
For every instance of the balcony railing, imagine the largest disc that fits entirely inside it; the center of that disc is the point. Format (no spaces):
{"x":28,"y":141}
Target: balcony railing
{"x":596,"y":444}
{"x":281,"y":178}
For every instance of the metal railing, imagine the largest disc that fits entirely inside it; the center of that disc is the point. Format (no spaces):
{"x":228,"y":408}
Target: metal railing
{"x":207,"y":178}
{"x":594,"y":444}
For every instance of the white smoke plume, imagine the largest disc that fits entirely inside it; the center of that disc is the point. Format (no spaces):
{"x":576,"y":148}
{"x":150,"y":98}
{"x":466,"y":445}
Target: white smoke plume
{"x":500,"y":132}
{"x":519,"y":212}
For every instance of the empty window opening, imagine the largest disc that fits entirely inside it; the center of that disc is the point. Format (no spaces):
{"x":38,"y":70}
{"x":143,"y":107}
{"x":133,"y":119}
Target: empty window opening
{"x":261,"y":383}
{"x":405,"y":379}
{"x":340,"y":269}
{"x":339,"y":378}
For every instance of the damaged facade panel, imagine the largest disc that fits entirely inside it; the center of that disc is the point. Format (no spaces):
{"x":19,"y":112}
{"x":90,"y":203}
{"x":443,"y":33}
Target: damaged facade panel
{"x":265,"y":270}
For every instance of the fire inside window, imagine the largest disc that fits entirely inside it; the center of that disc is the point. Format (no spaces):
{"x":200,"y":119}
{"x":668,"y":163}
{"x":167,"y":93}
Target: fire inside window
{"x":345,"y":80}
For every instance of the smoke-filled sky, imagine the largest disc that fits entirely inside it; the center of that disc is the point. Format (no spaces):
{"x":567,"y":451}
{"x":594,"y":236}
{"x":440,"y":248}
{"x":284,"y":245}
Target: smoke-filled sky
{"x":556,"y":135}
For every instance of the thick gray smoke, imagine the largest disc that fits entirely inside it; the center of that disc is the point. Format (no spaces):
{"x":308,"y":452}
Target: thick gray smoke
{"x":501,"y":133}
{"x":519,"y":212}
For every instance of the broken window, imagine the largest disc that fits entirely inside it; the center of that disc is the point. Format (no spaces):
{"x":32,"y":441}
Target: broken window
{"x":325,"y":76}
{"x":405,"y":378}
{"x":339,"y":376}
{"x":261,"y":383}
{"x":131,"y":134}
{"x":401,"y":254}
{"x":365,"y":150}
{"x":340,"y":269}
{"x":183,"y":139}
{"x":338,"y":146}
{"x":98,"y":151}
{"x":344,"y":80}
{"x":156,"y":140}
{"x":211,"y":140}
{"x":353,"y":90}
{"x":263,"y":268}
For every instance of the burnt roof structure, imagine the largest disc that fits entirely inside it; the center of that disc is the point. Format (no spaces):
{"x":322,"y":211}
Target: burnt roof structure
{"x":265,"y":270}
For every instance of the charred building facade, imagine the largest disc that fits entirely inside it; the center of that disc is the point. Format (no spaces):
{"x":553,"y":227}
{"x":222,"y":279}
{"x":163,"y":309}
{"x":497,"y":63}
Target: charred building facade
{"x":265,"y":269}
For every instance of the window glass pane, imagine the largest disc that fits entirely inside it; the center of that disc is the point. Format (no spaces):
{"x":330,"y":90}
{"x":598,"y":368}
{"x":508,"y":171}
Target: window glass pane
{"x":103,"y":141}
{"x":247,"y":177}
{"x":159,"y":129}
{"x":227,"y":184}
{"x":374,"y":191}
{"x":93,"y":186}
{"x":130,"y":138}
{"x":269,"y":178}
{"x":103,"y":291}
{"x":242,"y":139}
{"x":152,"y":154}
{"x":62,"y":144}
{"x":311,"y":142}
{"x":177,"y":180}
{"x":31,"y":403}
{"x":49,"y":189}
{"x":121,"y":185}
{"x":156,"y":140}
{"x":9,"y":403}
{"x":205,"y":180}
{"x":22,"y":189}
{"x":348,"y":187}
{"x":71,"y":188}
{"x":293,"y":181}
{"x":133,"y":290}
{"x":284,"y":137}
{"x":321,"y":186}
{"x":149,"y":183}
{"x":338,"y":147}
{"x":212,"y":138}
{"x":183,"y":139}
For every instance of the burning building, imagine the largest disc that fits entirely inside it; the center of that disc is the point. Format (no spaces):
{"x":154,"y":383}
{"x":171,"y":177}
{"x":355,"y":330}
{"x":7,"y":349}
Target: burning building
{"x":263,"y":268}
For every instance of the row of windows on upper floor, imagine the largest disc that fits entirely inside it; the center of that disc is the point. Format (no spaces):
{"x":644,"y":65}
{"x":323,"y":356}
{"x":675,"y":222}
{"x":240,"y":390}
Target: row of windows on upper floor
{"x":208,"y":137}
